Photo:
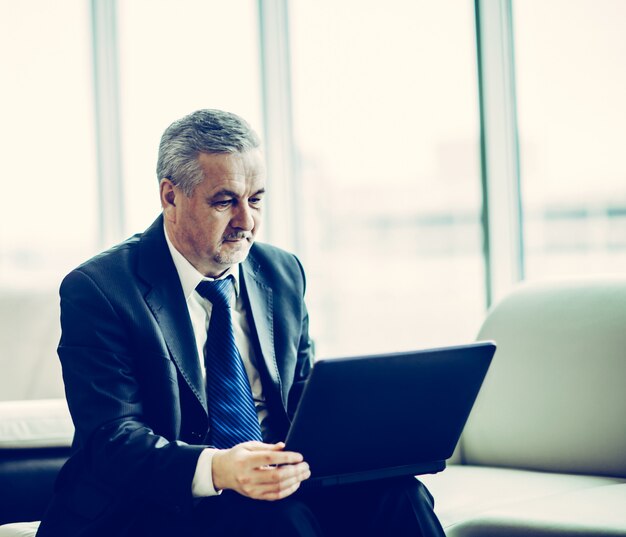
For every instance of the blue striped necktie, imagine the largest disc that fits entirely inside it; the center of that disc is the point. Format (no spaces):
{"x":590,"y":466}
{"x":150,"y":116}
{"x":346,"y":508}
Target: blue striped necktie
{"x":232,"y":415}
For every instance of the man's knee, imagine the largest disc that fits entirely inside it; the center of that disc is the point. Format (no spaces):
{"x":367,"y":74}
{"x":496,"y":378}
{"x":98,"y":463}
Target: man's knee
{"x":402,"y":487}
{"x":288,"y":517}
{"x":422,"y":491}
{"x":234,"y":515}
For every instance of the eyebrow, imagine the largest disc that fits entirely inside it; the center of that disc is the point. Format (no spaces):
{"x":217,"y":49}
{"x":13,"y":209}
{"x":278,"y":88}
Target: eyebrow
{"x":231,"y":194}
{"x":224,"y":192}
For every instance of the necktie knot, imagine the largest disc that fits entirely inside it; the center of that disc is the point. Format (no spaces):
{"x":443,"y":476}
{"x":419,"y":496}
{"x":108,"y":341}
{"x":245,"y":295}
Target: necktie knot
{"x":218,"y":292}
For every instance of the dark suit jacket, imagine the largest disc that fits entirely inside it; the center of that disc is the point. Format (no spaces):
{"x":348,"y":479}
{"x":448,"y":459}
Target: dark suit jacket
{"x":134,"y":385}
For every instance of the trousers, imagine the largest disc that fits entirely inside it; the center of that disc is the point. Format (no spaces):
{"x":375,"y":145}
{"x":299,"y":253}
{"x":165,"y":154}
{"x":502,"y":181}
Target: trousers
{"x":399,"y":507}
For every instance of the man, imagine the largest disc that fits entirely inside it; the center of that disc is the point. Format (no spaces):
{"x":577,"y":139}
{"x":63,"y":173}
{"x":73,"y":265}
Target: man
{"x":184,"y":353}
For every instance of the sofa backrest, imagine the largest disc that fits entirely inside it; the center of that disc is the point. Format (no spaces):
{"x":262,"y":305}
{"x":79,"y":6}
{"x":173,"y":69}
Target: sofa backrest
{"x":555,"y":397}
{"x":29,"y":335}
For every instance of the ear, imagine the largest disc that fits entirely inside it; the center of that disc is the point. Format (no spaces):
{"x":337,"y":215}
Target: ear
{"x":168,"y":193}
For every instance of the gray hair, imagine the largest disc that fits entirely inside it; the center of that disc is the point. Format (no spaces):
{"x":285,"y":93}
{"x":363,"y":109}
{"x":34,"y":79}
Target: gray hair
{"x":204,"y":131}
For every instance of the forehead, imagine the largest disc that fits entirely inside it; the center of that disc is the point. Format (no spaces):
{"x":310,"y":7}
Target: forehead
{"x":244,"y":169}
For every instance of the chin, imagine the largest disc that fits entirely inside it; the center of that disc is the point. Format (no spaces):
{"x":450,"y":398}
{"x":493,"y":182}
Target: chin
{"x":232,"y":258}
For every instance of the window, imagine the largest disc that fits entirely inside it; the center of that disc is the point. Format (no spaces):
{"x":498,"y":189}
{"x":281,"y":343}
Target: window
{"x":177,"y":57}
{"x":386,"y":126}
{"x":572,"y":112}
{"x":49,"y":176}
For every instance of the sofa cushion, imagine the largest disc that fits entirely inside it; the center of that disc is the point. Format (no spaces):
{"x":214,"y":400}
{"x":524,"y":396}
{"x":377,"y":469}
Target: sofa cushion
{"x":33,"y":424}
{"x":464,"y":493}
{"x":20,"y":529}
{"x":595,"y":511}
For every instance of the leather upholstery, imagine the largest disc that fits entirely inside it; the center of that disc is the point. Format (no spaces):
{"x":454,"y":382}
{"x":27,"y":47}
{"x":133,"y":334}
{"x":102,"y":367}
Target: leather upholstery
{"x":554,"y":398}
{"x":544,"y":451}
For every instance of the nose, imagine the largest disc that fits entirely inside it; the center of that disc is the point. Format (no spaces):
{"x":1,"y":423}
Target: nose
{"x":242,"y":218}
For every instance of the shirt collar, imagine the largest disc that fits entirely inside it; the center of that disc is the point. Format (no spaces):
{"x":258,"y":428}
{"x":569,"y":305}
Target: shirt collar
{"x":189,"y":275}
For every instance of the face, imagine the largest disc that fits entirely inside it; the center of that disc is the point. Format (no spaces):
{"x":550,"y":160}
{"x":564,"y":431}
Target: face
{"x":215,"y":227}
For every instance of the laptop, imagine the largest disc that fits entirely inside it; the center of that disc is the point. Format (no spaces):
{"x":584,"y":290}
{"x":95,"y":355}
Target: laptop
{"x":386,"y":415}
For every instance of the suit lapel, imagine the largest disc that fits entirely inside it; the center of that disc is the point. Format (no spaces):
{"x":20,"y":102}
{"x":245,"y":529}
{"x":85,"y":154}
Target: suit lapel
{"x":167,"y":302}
{"x":260,"y":297}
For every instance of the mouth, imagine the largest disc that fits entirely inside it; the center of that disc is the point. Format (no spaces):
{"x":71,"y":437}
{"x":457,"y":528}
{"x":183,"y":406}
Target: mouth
{"x":236,"y":239}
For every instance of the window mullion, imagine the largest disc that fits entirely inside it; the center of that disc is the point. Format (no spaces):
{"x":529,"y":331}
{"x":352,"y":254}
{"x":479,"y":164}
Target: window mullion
{"x":283,"y":193}
{"x":108,"y":124}
{"x":502,"y":219}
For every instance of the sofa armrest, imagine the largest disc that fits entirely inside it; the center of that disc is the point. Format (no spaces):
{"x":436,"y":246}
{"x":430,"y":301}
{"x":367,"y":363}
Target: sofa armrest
{"x":27,"y":480}
{"x":35,"y":440}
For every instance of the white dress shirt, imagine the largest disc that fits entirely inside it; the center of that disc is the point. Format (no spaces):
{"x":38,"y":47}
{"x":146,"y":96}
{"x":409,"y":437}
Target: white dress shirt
{"x":200,"y":315}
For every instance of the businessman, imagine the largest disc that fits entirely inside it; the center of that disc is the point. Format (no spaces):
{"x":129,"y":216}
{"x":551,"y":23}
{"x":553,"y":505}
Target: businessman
{"x":184,"y":352}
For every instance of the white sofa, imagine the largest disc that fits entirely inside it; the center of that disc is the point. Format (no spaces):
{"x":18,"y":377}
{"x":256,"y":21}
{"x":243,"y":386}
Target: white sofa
{"x":544,"y":451}
{"x":35,"y":427}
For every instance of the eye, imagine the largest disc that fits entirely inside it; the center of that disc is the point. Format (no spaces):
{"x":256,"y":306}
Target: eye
{"x":222,"y":204}
{"x":255,"y":201}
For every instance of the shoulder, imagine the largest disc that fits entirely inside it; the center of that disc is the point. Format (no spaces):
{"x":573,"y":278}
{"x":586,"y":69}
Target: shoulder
{"x":266,"y":252}
{"x":275,"y":264}
{"x":268,"y":257}
{"x":122,"y":261}
{"x":110,"y":263}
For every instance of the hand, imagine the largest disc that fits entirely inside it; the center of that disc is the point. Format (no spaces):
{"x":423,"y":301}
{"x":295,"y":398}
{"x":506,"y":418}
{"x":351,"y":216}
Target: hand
{"x":259,"y":471}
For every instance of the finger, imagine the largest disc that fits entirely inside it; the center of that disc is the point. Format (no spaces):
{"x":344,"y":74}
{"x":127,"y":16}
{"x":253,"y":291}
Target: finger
{"x":279,"y":494}
{"x":260,"y":487}
{"x":255,"y":445}
{"x":278,"y":476}
{"x":274,"y":458}
{"x":274,"y":484}
{"x":284,"y":470}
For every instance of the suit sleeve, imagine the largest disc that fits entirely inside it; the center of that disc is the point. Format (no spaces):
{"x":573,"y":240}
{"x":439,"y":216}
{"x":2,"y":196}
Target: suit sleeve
{"x":125,"y":458}
{"x":305,"y":352}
